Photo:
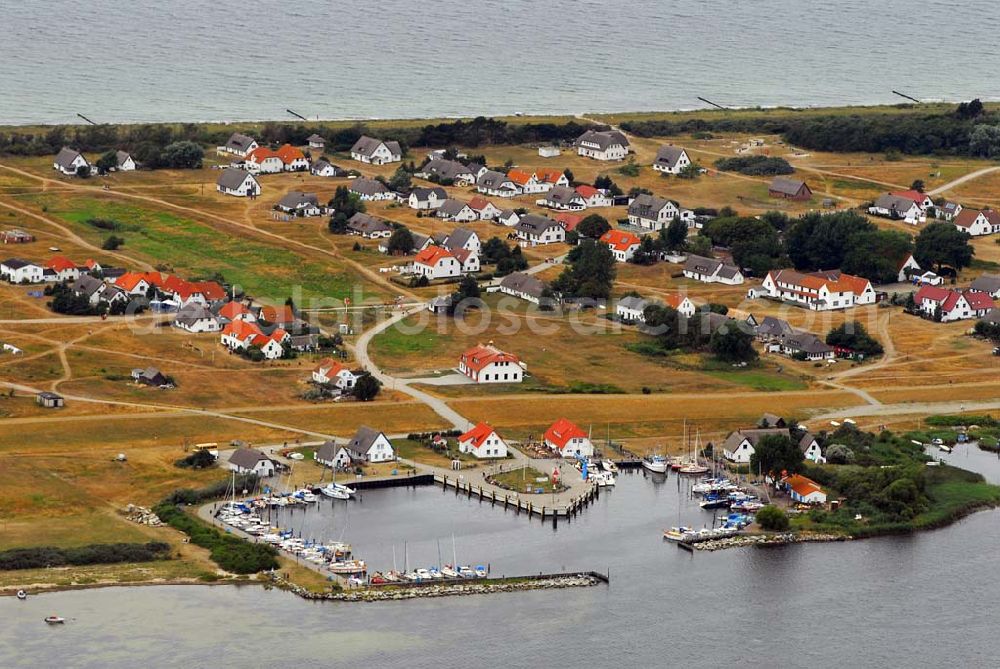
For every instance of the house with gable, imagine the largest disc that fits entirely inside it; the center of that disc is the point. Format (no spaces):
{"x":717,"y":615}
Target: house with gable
{"x":602,"y":145}
{"x":437,"y":262}
{"x":370,"y":445}
{"x":483,"y":442}
{"x":239,"y":145}
{"x":237,"y":182}
{"x":952,"y":305}
{"x":978,"y":222}
{"x":711,"y":270}
{"x":334,"y":373}
{"x":375,"y":151}
{"x":535,"y":230}
{"x":488,"y":364}
{"x":622,"y":244}
{"x":427,"y":198}
{"x":68,"y":161}
{"x":671,"y":160}
{"x":819,"y":291}
{"x":251,"y":461}
{"x":496,"y":183}
{"x":568,"y":440}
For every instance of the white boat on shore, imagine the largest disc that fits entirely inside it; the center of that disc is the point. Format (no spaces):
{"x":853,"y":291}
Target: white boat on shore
{"x":348,"y":567}
{"x":657,"y":464}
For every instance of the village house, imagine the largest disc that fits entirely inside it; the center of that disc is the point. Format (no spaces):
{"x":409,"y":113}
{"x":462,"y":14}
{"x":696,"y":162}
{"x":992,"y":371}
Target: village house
{"x":485,"y":210}
{"x":91,"y":288}
{"x":68,"y":161}
{"x":316,"y":142}
{"x":326,"y":455}
{"x":488,"y":364}
{"x":283,"y":316}
{"x":771,"y":420}
{"x":483,"y":442}
{"x":375,"y":151}
{"x":228,"y":312}
{"x":567,"y":439}
{"x":237,"y":182}
{"x":568,"y":221}
{"x":952,"y":305}
{"x":651,"y":212}
{"x":987,"y":283}
{"x":371,"y":190}
{"x":810,"y":448}
{"x":436,"y":262}
{"x":804,"y":490}
{"x":447,"y":170}
{"x":630,"y":309}
{"x":528,"y":182}
{"x":594,"y":197}
{"x":671,"y":160}
{"x":151,"y":376}
{"x":819,"y":291}
{"x":196,"y":318}
{"x":910,"y":206}
{"x":427,"y":198}
{"x":771,"y":328}
{"x":803,"y":345}
{"x":509,"y":218}
{"x":622,"y":244}
{"x":239,"y":145}
{"x":563,"y":197}
{"x":124,"y":162}
{"x":16,"y":236}
{"x":976,"y":222}
{"x":331,"y":372}
{"x":241,"y":335}
{"x":907,"y":268}
{"x":64,"y":268}
{"x":49,"y":400}
{"x":137,"y":283}
{"x":17,"y":270}
{"x":602,"y":145}
{"x":789,"y":189}
{"x":370,"y":445}
{"x":323,"y":168}
{"x":523,"y":286}
{"x":300,"y":203}
{"x":369,"y":227}
{"x":710,"y":270}
{"x":948,"y":211}
{"x":549,"y":151}
{"x":251,"y":461}
{"x":739,"y":446}
{"x":456,"y":210}
{"x":263,"y":160}
{"x":535,"y":230}
{"x":496,"y":183}
{"x":462,"y":238}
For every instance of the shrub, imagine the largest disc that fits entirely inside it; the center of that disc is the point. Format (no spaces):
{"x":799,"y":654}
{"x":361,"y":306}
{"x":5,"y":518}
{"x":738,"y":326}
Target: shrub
{"x":48,"y":556}
{"x":229,"y":552}
{"x":755,"y":165}
{"x":772,"y":518}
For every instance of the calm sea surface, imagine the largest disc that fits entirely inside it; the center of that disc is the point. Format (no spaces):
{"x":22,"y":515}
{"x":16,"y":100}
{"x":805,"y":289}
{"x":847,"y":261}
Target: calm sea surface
{"x":929,"y":600}
{"x":135,"y":60}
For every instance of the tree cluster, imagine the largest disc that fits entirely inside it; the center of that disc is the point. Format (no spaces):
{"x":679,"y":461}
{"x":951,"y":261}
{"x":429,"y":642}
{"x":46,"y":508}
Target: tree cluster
{"x":854,"y":336}
{"x":755,"y":165}
{"x":591,"y":271}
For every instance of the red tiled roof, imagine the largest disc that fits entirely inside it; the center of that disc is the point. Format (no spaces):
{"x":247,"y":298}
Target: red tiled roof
{"x":477,"y":435}
{"x":587,"y":191}
{"x":802,"y":486}
{"x":674,"y":300}
{"x":230,"y":310}
{"x":241,"y":330}
{"x":914,"y":195}
{"x":978,"y":300}
{"x":520,"y":177}
{"x":61,"y":264}
{"x":260,"y":154}
{"x":967,"y":217}
{"x":934,"y":293}
{"x":478,"y":357}
{"x":479,"y":203}
{"x":329,"y":367}
{"x":432,"y":255}
{"x":289,"y":154}
{"x":620,"y":240}
{"x":282,"y":314}
{"x":549,"y":176}
{"x":562,"y":431}
{"x":568,"y":221}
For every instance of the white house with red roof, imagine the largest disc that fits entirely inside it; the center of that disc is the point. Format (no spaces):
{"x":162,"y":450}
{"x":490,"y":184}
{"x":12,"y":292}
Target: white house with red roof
{"x":334,"y":373}
{"x":622,"y":244}
{"x":594,"y":197}
{"x":138,"y":283}
{"x":819,"y":291}
{"x":263,"y":160}
{"x":240,"y":336}
{"x":469,"y":260}
{"x":978,"y":222}
{"x":922,"y":200}
{"x":485,"y":210}
{"x":236,"y":311}
{"x":488,"y":364}
{"x":566,"y":438}
{"x":953,"y":305}
{"x":482,"y":441}
{"x":436,"y":262}
{"x":804,"y":490}
{"x":528,"y":181}
{"x":64,"y":268}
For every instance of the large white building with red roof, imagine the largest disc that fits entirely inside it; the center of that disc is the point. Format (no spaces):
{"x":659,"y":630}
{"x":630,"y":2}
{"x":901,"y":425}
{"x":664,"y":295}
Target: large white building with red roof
{"x":488,"y":364}
{"x":952,"y":305}
{"x":566,"y":438}
{"x":819,"y":291}
{"x":436,"y":262}
{"x":483,"y":441}
{"x":240,"y":336}
{"x":622,"y":244}
{"x":332,"y":372}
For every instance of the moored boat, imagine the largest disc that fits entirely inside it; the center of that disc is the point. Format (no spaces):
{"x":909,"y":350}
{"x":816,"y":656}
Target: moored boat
{"x":656,"y":464}
{"x":55,"y":620}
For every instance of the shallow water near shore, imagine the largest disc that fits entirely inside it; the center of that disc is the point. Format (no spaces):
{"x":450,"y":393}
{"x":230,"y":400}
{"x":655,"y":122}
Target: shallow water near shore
{"x":118,"y":61}
{"x":922,"y":600}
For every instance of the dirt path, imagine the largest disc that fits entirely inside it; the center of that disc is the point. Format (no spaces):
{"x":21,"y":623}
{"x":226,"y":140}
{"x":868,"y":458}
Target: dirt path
{"x":961,"y":180}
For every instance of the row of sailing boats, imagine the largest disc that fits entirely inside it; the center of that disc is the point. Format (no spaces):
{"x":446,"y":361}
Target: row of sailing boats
{"x":687,"y":464}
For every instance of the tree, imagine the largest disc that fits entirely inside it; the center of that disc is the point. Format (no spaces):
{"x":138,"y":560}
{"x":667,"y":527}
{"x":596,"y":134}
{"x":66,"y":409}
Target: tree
{"x":731,"y":344}
{"x":401,"y":180}
{"x":984,"y":140}
{"x":107,"y":162}
{"x":971,"y":109}
{"x":604,"y":182}
{"x":821,"y":241}
{"x":366,"y":388}
{"x":112,"y":243}
{"x":876,"y":254}
{"x":593,"y":226}
{"x":591,"y":271}
{"x":917,"y":185}
{"x":772,"y":518}
{"x":699,"y":245}
{"x":839,"y":454}
{"x":468,"y":289}
{"x":942,"y":244}
{"x":689,"y":171}
{"x":774,"y":454}
{"x":83,"y":171}
{"x":181,"y":155}
{"x":345,"y":205}
{"x":568,"y":173}
{"x":674,"y":235}
{"x":400,"y":242}
{"x":854,"y":336}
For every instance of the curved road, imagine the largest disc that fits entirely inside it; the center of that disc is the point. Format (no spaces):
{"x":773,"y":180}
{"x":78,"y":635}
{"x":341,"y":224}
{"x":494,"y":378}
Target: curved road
{"x":961,"y":180}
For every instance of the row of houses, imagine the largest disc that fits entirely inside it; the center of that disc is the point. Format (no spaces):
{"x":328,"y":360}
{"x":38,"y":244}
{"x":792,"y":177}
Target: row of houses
{"x":56,"y":269}
{"x":70,"y":162}
{"x":953,"y":305}
{"x":818,"y":291}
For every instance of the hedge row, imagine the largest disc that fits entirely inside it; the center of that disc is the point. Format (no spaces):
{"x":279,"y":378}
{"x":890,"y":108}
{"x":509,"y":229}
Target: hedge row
{"x":49,"y":556}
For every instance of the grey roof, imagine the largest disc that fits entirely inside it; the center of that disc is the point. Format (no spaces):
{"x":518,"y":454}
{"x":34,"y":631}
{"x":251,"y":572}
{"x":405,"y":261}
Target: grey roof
{"x":315,"y":138}
{"x":362,"y":441}
{"x":47,"y":395}
{"x":772,"y":420}
{"x":246,"y":458}
{"x":193,"y":312}
{"x":303,"y":342}
{"x":451,"y":208}
{"x":328,"y":451}
{"x":88,"y":285}
{"x":602,"y":138}
{"x":986,"y":283}
{"x":366,"y":146}
{"x":492,"y":179}
{"x":17,"y":263}
{"x":441,"y":301}
{"x":149,"y":374}
{"x":321,"y":165}
{"x":519,"y":282}
{"x":668,"y":156}
{"x":232,"y":177}
{"x":806,"y":441}
{"x":806,"y":342}
{"x":753,"y":436}
{"x":786,"y":186}
{"x":121,"y":157}
{"x":561,"y":194}
{"x":645,"y":205}
{"x":949,"y":207}
{"x":368,"y":187}
{"x":535,"y":224}
{"x":425,"y":193}
{"x":458,"y":238}
{"x":447,"y":169}
{"x":702,"y":265}
{"x":366,"y":224}
{"x":773,"y":327}
{"x":992,"y":316}
{"x":633,"y":303}
{"x":66,"y":156}
{"x":296,"y":199}
{"x":894,"y":202}
{"x":239,"y":142}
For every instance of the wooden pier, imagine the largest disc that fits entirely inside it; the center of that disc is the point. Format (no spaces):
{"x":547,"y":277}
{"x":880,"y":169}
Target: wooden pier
{"x":532,"y":505}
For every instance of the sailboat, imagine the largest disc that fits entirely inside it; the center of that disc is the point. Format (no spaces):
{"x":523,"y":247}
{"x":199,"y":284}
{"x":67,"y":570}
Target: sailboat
{"x":695,"y":469}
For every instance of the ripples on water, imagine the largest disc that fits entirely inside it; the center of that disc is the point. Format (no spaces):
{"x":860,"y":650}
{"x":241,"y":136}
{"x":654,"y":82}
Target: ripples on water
{"x":118,"y":60}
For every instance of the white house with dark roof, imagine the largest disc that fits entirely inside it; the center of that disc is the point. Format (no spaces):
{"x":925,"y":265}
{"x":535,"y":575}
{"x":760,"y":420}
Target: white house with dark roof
{"x":323,"y":168}
{"x":251,"y":461}
{"x":978,"y":222}
{"x":739,"y":445}
{"x":196,"y":318}
{"x":239,"y":145}
{"x":535,"y":230}
{"x":523,"y":286}
{"x":427,"y":198}
{"x":631,"y":308}
{"x":711,"y":270}
{"x":564,"y":198}
{"x":124,"y":162}
{"x":508,"y":217}
{"x":16,"y":270}
{"x":375,"y":151}
{"x":987,"y":283}
{"x":370,"y":190}
{"x":671,"y":160}
{"x":68,"y":161}
{"x":463,"y":238}
{"x":651,"y":212}
{"x":370,"y":445}
{"x":300,"y":203}
{"x":496,"y":183}
{"x":456,"y":210}
{"x":316,"y":142}
{"x":602,"y":145}
{"x":369,"y":227}
{"x":449,"y":170}
{"x":898,"y":207}
{"x":237,"y":182}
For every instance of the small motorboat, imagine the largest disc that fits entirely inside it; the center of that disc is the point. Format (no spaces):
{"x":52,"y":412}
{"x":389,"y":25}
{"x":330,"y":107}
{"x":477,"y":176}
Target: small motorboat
{"x":480,"y":571}
{"x":609,"y":466}
{"x":335,"y":493}
{"x":656,"y":464}
{"x":55,"y":620}
{"x":944,"y":448}
{"x":448,"y":572}
{"x":22,"y":595}
{"x":677,"y":534}
{"x":348,"y":567}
